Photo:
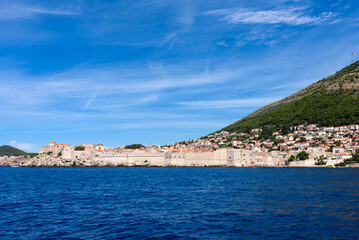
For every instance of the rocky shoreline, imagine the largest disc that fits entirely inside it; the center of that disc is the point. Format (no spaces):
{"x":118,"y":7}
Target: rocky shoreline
{"x":51,"y":161}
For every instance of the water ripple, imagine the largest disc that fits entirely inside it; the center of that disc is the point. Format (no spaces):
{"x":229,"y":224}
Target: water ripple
{"x":179,"y":203}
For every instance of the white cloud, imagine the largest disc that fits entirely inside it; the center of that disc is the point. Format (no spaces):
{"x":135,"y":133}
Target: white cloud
{"x":291,"y":16}
{"x":16,"y":11}
{"x":150,"y":99}
{"x":222,"y":43}
{"x":24,"y":146}
{"x":232,"y":103}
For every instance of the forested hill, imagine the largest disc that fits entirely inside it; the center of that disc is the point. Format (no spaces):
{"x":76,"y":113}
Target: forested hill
{"x":332,"y":101}
{"x":7,"y":150}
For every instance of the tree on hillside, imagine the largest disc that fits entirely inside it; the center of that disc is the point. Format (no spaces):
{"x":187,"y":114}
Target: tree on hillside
{"x":302,"y":155}
{"x":356,"y":155}
{"x":338,"y":143}
{"x":285,"y":130}
{"x":320,"y":160}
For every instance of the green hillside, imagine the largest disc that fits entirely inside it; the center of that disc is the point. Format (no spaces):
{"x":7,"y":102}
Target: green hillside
{"x":10,"y":151}
{"x":332,"y":101}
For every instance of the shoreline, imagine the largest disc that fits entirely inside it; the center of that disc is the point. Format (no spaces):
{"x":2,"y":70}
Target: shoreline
{"x":49,"y":161}
{"x":153,"y":166}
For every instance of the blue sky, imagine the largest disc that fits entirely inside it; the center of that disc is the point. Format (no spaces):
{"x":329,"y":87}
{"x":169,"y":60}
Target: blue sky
{"x":160,"y":71}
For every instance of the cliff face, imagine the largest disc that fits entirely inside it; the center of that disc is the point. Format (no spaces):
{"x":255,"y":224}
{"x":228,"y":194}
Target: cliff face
{"x":331,"y":101}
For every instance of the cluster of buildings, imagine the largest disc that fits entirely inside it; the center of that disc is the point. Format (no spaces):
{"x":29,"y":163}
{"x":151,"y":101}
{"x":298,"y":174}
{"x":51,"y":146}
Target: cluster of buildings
{"x":331,"y":144}
{"x":337,"y":142}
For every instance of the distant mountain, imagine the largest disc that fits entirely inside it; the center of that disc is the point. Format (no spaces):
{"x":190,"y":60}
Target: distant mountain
{"x":332,"y":101}
{"x":10,"y":151}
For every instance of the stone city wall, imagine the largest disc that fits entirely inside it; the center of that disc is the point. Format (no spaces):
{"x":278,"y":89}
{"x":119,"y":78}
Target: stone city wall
{"x":132,"y":158}
{"x":221,"y":157}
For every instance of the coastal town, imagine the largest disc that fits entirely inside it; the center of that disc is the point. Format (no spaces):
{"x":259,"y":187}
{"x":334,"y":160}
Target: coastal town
{"x":300,"y":146}
{"x":297,"y":146}
{"x":337,"y":142}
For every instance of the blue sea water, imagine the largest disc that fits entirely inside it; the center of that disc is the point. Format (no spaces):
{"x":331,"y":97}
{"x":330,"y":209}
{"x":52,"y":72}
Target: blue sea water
{"x":179,"y":203}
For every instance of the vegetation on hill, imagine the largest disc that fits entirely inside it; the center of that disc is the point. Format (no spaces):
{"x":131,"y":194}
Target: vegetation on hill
{"x":332,"y":101}
{"x":7,"y":150}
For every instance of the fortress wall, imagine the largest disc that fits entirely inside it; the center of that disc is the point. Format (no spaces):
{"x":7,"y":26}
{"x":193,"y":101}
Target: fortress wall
{"x":264,"y":160}
{"x":68,"y":153}
{"x":44,"y":149}
{"x":178,"y":162}
{"x":248,"y":158}
{"x":152,"y":159}
{"x":217,"y":158}
{"x":222,"y":157}
{"x":175,"y":159}
{"x":333,"y":161}
{"x":234,"y":158}
{"x":87,"y":153}
{"x":54,"y":149}
{"x":111,"y":157}
{"x":117,"y":160}
{"x":198,"y":159}
{"x":278,"y":158}
{"x":130,"y":159}
{"x":302,"y":163}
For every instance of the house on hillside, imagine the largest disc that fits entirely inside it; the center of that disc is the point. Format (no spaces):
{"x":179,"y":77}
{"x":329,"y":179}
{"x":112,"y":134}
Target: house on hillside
{"x":338,"y":150}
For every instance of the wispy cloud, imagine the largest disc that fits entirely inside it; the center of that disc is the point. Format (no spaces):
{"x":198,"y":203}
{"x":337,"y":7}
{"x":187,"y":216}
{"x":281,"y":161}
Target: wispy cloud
{"x":17,"y":10}
{"x":108,"y":88}
{"x":233,"y":103}
{"x":114,"y":81}
{"x":222,"y":43}
{"x":262,"y":36}
{"x":88,"y":103}
{"x":290,"y":16}
{"x":183,"y":20}
{"x":111,"y":105}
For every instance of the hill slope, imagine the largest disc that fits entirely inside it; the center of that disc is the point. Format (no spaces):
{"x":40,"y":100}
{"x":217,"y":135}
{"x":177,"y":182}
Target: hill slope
{"x":10,"y":151}
{"x":332,"y":101}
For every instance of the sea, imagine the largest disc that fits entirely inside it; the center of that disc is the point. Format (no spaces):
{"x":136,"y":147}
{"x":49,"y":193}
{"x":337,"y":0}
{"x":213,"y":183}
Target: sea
{"x":179,"y":203}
